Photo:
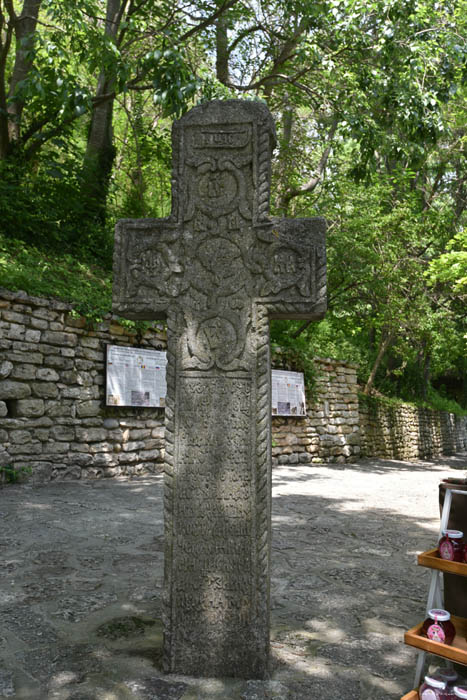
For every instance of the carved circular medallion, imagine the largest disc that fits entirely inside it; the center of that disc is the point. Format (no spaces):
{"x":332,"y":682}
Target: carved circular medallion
{"x":217,"y":339}
{"x":218,"y":191}
{"x":222,"y":260}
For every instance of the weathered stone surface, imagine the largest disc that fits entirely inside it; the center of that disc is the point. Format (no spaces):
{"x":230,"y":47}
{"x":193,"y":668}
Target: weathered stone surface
{"x":63,"y":432}
{"x":14,"y":390}
{"x":88,"y":408}
{"x":219,"y":268}
{"x":91,"y":434}
{"x":44,"y":390}
{"x":3,"y":409}
{"x":111,"y":423}
{"x":5,"y":369}
{"x":59,"y":338}
{"x":46,"y":374}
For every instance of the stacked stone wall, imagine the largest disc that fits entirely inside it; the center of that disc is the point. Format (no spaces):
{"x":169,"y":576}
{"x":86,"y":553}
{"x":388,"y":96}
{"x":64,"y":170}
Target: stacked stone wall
{"x":53,"y":418}
{"x":394,"y":430}
{"x":330,"y":431}
{"x":54,"y":422}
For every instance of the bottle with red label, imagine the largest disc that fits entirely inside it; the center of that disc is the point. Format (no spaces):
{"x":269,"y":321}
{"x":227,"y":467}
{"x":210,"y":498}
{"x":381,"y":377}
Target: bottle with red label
{"x":438,"y":626}
{"x":436,"y":688}
{"x":451,"y":545}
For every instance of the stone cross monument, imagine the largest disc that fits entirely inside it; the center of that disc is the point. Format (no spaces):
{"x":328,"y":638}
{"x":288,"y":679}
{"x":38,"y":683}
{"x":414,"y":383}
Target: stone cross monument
{"x":218,"y":269}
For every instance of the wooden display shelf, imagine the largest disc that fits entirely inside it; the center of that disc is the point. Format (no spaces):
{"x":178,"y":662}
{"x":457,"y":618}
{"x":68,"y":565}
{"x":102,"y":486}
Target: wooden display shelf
{"x":432,"y":560}
{"x":456,"y":652}
{"x":413,"y":695}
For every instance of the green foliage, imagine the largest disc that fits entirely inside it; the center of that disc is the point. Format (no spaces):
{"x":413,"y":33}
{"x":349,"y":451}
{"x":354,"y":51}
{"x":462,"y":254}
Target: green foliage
{"x":67,"y":278}
{"x":43,"y":206}
{"x":442,"y":403}
{"x":10,"y":474}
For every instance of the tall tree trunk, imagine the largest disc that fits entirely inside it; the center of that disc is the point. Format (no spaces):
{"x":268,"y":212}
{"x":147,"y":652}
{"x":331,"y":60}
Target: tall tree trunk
{"x":25,"y":26}
{"x":100,"y":151}
{"x":222,"y":50}
{"x":386,"y":340}
{"x":22,"y":27}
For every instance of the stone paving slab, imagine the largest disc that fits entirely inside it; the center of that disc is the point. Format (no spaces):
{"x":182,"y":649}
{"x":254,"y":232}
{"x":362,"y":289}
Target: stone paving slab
{"x":81,"y":581}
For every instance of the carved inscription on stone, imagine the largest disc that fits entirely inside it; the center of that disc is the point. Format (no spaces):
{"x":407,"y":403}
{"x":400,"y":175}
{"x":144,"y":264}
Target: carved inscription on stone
{"x":214,"y":514}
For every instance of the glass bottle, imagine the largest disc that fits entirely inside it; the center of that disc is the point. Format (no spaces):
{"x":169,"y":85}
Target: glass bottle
{"x":438,"y":626}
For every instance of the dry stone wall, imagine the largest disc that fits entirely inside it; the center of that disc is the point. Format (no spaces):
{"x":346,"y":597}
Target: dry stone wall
{"x":54,"y":422}
{"x":330,"y":432}
{"x":402,"y":431}
{"x":53,"y":419}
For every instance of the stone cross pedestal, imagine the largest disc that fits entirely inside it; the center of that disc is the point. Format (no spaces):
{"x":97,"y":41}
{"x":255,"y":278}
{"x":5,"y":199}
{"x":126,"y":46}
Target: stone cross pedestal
{"x":218,"y":269}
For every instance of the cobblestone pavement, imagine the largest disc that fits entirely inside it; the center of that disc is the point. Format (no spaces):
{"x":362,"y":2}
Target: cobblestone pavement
{"x":81,"y":576}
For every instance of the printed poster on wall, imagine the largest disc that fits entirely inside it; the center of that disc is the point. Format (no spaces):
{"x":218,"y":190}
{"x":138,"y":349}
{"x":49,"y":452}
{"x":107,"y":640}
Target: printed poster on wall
{"x":135,"y":377}
{"x":288,"y":393}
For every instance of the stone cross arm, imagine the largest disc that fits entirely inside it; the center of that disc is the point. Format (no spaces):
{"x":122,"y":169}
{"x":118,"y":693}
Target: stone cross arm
{"x":280,"y":263}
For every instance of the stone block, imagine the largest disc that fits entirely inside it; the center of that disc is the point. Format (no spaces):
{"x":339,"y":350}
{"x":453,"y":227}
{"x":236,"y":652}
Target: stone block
{"x":59,"y":362}
{"x":32,"y":336}
{"x":56,"y":447}
{"x":14,"y":390}
{"x":111,"y":423}
{"x":70,"y":392}
{"x":128,"y":457}
{"x":41,"y":434}
{"x":91,"y":434}
{"x":46,"y":374}
{"x":29,"y":448}
{"x":63,"y":432}
{"x":3,"y":409}
{"x":104,"y":460}
{"x":94,"y":355}
{"x":58,"y":409}
{"x":89,"y":342}
{"x":141,"y":434}
{"x":60,"y":338}
{"x":152,"y":444}
{"x":15,"y":317}
{"x":149,"y":455}
{"x":41,"y":471}
{"x":84,"y":364}
{"x":88,"y":408}
{"x":41,"y":422}
{"x":97,"y":447}
{"x":44,"y":390}
{"x":38,"y":323}
{"x":16,"y":332}
{"x":6,"y":369}
{"x":20,"y":436}
{"x":133,"y":446}
{"x":85,"y":379}
{"x":24,"y":372}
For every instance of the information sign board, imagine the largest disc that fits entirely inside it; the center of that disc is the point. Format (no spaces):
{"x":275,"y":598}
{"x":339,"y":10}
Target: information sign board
{"x":288,"y":393}
{"x":135,"y":377}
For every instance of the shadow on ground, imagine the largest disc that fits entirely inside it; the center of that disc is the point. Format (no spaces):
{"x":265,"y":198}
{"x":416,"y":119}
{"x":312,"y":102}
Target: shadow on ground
{"x":81,"y":583}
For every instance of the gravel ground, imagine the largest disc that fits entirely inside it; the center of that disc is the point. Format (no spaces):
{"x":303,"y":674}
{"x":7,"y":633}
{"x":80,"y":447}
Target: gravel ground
{"x":81,"y":576}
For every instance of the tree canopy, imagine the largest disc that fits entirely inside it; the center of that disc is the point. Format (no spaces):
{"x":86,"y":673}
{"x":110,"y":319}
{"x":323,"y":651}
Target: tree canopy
{"x":369,"y":98}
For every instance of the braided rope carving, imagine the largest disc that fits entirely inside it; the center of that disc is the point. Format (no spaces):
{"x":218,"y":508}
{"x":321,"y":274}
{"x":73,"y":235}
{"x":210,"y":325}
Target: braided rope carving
{"x":263,"y":486}
{"x":264,"y":157}
{"x":169,"y":490}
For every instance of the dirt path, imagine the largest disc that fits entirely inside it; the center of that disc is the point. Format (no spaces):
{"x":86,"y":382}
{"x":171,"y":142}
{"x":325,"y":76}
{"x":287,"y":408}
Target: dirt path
{"x":81,"y":576}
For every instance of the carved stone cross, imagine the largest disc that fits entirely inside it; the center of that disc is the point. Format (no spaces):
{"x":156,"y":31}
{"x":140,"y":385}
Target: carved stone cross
{"x":218,"y":269}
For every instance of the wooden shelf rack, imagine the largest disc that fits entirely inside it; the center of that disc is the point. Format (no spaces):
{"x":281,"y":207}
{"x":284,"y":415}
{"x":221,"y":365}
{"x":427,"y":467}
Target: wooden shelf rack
{"x":457,"y":651}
